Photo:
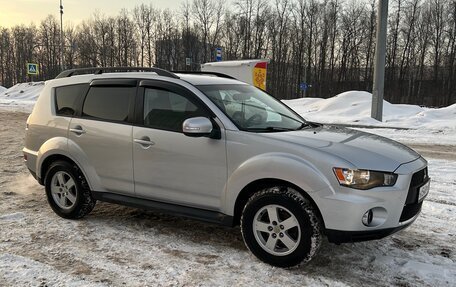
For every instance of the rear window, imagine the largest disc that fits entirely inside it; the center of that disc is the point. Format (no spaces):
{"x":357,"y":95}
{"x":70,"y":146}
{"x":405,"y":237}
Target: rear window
{"x":66,"y":98}
{"x":108,"y":103}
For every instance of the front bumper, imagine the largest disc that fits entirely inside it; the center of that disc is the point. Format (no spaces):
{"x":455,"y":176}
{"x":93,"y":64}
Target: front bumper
{"x":339,"y":236}
{"x":393,"y":208}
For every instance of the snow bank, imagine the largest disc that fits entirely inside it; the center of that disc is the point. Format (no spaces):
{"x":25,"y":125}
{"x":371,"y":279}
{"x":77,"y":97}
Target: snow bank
{"x":2,"y":89}
{"x":21,"y":97}
{"x":354,"y":107}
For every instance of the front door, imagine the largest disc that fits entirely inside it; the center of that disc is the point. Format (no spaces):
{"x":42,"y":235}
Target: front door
{"x":168,"y":165}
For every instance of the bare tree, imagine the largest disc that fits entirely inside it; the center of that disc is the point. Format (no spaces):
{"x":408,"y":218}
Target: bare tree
{"x":205,"y":17}
{"x":328,"y":44}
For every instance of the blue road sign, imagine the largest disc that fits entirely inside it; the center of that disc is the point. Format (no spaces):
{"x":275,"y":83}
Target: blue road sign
{"x":218,"y":54}
{"x":303,"y":86}
{"x":32,"y":69}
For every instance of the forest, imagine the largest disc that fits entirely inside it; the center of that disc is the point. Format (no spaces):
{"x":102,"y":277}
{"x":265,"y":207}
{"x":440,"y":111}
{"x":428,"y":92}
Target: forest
{"x":328,"y":44}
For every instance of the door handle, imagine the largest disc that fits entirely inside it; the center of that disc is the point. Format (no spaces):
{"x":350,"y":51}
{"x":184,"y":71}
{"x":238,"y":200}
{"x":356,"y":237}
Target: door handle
{"x":78,"y":130}
{"x":145,"y":142}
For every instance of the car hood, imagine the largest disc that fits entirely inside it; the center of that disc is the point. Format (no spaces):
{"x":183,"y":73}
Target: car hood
{"x":364,"y":150}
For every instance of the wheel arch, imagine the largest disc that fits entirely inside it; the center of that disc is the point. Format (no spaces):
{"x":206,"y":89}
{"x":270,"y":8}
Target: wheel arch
{"x":46,"y":163}
{"x":259,"y":184}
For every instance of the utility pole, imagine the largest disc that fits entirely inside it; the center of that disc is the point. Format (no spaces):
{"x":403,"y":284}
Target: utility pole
{"x":380,"y":53}
{"x":62,"y":67}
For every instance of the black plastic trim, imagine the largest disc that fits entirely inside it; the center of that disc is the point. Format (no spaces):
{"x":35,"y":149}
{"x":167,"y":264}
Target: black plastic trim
{"x":338,"y":236}
{"x":101,"y":70}
{"x":168,"y":208}
{"x":114,"y":83}
{"x":40,"y":181}
{"x":32,"y":173}
{"x":410,"y":210}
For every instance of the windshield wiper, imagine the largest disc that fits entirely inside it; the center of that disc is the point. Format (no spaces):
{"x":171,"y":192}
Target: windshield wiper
{"x":304,"y":125}
{"x":269,"y":129}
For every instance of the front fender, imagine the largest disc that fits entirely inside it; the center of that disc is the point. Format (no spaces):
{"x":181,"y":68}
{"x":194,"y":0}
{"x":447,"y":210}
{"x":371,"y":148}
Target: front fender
{"x":282,"y":166}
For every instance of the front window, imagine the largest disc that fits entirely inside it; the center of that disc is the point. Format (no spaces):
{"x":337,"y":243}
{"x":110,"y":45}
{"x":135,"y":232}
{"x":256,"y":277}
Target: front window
{"x":167,"y":110}
{"x":252,"y":109}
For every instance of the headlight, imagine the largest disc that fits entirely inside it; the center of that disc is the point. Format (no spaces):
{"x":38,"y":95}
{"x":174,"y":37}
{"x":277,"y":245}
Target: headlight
{"x":364,"y":179}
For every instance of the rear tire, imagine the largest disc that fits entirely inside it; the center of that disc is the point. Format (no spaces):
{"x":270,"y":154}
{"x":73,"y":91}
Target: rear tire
{"x":281,"y":227}
{"x":67,"y":191}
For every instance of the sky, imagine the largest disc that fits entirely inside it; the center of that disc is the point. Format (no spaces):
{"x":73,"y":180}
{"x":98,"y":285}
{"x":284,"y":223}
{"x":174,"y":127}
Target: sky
{"x":16,"y":12}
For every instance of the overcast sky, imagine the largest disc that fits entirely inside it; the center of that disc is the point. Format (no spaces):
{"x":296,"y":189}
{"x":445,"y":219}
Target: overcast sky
{"x":14,"y":12}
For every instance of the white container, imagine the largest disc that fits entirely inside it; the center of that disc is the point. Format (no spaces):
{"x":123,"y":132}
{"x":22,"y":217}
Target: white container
{"x":249,"y":71}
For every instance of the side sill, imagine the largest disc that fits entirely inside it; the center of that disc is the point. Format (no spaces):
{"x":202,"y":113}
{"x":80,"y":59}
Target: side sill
{"x":168,"y":208}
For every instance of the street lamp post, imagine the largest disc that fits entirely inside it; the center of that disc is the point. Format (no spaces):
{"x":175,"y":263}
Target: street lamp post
{"x":62,"y":67}
{"x":380,"y":53}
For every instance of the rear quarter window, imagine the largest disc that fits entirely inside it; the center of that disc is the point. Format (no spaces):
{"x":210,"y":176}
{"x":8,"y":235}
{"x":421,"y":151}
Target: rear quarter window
{"x":66,"y":98}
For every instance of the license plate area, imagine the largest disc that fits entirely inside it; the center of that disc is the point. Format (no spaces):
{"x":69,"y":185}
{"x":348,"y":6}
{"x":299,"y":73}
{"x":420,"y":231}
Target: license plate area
{"x":424,"y":190}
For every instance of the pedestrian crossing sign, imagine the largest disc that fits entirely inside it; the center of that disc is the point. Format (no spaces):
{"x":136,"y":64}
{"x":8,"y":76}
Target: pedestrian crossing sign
{"x":32,"y":69}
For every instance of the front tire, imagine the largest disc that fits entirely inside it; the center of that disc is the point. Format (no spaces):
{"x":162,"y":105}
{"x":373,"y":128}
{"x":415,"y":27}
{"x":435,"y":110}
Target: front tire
{"x":281,"y":227}
{"x":67,"y":191}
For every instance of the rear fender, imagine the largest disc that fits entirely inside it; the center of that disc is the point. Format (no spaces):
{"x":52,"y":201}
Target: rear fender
{"x":60,"y":146}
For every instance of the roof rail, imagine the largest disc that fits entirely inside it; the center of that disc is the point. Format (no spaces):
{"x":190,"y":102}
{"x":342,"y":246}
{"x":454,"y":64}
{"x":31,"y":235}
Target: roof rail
{"x":205,"y":73}
{"x":101,"y":70}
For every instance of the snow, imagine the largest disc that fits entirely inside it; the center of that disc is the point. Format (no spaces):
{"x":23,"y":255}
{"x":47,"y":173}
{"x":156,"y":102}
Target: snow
{"x":20,"y":97}
{"x":117,"y":245}
{"x":21,"y":270}
{"x":354,"y":107}
{"x":2,"y":89}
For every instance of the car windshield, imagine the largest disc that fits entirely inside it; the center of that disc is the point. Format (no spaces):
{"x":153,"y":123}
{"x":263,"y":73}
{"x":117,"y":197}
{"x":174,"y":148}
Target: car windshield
{"x":252,"y":109}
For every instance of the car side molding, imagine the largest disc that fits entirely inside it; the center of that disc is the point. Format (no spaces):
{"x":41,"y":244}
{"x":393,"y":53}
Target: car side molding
{"x":167,"y":208}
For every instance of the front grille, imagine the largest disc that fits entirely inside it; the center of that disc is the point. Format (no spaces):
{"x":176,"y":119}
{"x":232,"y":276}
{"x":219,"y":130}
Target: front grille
{"x":409,"y":211}
{"x":418,"y":179}
{"x":412,"y":206}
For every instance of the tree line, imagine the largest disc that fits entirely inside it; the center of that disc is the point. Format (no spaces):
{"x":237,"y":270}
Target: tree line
{"x":328,"y":44}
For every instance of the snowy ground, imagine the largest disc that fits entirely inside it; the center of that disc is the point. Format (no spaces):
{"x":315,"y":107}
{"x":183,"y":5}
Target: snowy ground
{"x":120,"y":246}
{"x":424,"y":125}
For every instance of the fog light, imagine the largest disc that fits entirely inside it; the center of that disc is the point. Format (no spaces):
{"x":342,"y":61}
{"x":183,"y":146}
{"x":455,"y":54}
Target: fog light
{"x":367,"y":217}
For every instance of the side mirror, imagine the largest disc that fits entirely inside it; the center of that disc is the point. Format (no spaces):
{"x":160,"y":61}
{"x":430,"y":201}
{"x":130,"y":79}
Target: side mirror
{"x":197,"y":127}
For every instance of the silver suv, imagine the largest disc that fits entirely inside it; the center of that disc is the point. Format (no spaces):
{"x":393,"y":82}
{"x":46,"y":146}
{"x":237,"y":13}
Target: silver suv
{"x":213,"y":148}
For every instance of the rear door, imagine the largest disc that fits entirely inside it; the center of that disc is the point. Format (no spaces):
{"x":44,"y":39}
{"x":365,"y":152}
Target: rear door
{"x":168,"y":165}
{"x":101,"y":137}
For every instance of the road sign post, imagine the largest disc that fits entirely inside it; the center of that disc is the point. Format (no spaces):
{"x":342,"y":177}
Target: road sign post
{"x":218,"y":54}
